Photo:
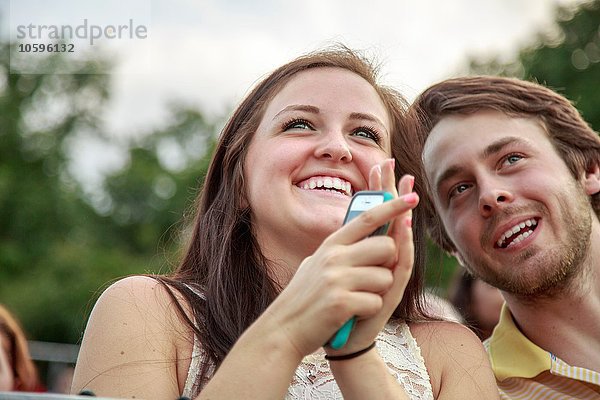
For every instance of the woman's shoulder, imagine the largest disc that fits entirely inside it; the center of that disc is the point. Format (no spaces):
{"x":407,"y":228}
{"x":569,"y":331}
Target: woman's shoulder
{"x":452,"y":352}
{"x":133,"y":329}
{"x":432,"y":330}
{"x":131,"y":294}
{"x":133,"y":286}
{"x":446,"y":341}
{"x":140,"y":297}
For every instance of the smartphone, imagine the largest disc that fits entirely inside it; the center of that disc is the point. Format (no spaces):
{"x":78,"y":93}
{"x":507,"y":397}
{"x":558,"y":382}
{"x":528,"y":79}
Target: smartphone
{"x":361,"y":202}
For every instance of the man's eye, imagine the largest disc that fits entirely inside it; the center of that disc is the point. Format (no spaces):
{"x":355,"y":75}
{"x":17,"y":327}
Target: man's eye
{"x":458,"y":189}
{"x":513,"y":158}
{"x":297,"y":124}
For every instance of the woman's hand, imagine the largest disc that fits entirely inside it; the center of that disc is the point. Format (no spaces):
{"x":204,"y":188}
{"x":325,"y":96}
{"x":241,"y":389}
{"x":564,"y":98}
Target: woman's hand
{"x":400,"y":231}
{"x":351,"y":274}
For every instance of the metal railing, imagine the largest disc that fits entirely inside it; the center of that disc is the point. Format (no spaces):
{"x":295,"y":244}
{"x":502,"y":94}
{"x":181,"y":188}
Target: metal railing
{"x":56,"y":362}
{"x":53,"y":352}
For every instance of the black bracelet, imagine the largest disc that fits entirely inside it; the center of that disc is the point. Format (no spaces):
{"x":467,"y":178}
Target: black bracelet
{"x":351,"y":355}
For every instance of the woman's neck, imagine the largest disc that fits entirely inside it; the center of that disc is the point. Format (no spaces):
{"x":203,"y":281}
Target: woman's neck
{"x":285,"y":257}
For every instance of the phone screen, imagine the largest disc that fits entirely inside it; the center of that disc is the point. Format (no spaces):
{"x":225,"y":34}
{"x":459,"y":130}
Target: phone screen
{"x":362,"y":202}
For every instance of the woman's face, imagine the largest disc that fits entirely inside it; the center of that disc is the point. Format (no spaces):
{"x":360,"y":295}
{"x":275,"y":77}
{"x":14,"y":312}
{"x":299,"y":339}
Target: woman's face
{"x":314,"y":147}
{"x":6,"y":372}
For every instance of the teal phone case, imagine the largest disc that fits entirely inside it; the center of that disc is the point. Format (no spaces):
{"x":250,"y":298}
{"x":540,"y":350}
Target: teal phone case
{"x":341,"y":337}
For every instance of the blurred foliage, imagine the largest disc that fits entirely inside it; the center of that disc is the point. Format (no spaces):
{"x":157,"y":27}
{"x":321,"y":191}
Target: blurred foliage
{"x":57,"y":250}
{"x":440,"y":269}
{"x":566,"y":59}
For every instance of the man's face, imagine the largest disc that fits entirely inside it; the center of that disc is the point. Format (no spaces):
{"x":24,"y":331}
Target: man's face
{"x":508,"y":202}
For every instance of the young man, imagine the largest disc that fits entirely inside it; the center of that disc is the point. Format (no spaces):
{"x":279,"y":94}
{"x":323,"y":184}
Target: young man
{"x":513,"y":174}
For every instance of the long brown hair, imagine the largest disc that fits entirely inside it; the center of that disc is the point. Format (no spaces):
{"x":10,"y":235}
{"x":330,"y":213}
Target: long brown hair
{"x":223,"y":259}
{"x":574,"y":140}
{"x":23,"y":369}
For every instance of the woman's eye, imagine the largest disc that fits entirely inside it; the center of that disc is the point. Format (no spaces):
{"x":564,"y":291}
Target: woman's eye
{"x":367,"y":133}
{"x":297,"y":124}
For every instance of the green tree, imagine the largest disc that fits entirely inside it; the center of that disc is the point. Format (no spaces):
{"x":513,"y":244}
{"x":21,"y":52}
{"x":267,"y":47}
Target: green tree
{"x":566,"y":59}
{"x":57,"y":250}
{"x":150,"y":195}
{"x":40,"y":208}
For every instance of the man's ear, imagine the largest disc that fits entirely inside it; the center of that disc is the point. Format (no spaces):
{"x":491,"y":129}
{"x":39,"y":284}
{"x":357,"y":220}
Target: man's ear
{"x":591,"y":180}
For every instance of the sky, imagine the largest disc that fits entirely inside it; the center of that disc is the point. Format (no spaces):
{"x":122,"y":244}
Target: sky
{"x":209,"y":53}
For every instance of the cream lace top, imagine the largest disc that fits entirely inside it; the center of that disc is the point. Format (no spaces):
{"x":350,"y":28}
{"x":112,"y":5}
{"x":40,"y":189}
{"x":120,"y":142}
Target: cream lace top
{"x":313,"y":378}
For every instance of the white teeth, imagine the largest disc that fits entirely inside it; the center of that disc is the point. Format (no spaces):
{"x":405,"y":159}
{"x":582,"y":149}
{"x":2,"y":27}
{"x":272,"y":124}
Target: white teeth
{"x":337,"y":183}
{"x":509,"y":233}
{"x":515,"y":241}
{"x":326,"y":183}
{"x":520,"y":238}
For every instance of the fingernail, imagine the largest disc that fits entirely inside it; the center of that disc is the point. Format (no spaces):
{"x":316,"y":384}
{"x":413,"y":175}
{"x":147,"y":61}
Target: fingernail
{"x":408,"y":221}
{"x":378,"y":169}
{"x":411,"y":198}
{"x":411,"y":181}
{"x":392,"y":162}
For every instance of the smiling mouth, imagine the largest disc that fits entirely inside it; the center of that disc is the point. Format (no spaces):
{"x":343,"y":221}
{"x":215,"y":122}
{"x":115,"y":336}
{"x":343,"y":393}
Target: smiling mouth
{"x":517,"y":233}
{"x":327,"y":183}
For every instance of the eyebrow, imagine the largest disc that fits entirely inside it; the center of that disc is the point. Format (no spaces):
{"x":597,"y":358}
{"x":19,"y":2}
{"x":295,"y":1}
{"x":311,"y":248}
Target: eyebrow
{"x":367,"y":117}
{"x":498,"y":145}
{"x":490,"y":150}
{"x":298,"y":107}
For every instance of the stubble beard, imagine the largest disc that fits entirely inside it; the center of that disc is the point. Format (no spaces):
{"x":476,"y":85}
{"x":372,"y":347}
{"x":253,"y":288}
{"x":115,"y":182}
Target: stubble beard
{"x":542,"y":274}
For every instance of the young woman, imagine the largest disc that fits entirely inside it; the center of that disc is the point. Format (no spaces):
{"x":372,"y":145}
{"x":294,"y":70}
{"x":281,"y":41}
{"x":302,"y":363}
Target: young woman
{"x":270,"y":273}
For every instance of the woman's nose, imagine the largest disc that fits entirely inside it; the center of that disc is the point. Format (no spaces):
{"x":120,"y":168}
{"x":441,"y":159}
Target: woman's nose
{"x":334,"y":147}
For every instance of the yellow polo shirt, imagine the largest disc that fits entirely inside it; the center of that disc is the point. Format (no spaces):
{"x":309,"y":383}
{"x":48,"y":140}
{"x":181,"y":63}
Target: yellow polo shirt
{"x":526,"y":371}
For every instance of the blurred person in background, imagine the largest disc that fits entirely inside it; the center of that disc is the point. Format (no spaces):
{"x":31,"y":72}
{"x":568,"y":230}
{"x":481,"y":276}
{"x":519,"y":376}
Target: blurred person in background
{"x":17,"y":370}
{"x":62,"y":381}
{"x":478,"y":303}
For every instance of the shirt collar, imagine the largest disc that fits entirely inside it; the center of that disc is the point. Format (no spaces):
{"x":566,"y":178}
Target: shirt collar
{"x":512,"y":355}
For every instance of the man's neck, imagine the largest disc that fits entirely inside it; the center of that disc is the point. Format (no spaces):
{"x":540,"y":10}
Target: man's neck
{"x":568,"y":325}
